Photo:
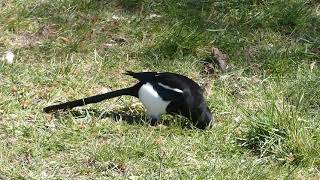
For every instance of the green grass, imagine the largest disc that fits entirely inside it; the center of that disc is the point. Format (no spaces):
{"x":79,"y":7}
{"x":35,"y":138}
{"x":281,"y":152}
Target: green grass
{"x":266,"y":107}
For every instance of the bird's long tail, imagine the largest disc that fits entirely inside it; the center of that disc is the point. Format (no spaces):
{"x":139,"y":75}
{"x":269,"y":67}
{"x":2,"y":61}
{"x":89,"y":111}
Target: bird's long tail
{"x":132,"y":91}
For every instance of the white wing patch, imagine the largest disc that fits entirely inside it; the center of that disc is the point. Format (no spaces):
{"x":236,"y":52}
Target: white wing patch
{"x":151,"y":100}
{"x":170,"y":88}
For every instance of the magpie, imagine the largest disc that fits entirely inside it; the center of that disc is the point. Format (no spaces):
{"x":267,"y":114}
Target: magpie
{"x":159,"y":93}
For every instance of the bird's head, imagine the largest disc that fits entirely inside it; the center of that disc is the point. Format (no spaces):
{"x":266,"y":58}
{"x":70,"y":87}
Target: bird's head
{"x":202,"y":116}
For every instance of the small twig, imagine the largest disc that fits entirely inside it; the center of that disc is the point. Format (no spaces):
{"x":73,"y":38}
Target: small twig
{"x":161,"y":164}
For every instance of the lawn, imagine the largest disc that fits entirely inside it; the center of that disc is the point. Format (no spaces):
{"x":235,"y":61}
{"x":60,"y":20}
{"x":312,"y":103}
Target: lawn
{"x":266,"y":106}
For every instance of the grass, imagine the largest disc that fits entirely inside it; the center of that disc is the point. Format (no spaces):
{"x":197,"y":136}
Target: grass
{"x":266,"y":107}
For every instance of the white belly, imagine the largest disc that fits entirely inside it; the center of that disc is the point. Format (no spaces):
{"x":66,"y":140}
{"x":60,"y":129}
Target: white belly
{"x":151,"y":100}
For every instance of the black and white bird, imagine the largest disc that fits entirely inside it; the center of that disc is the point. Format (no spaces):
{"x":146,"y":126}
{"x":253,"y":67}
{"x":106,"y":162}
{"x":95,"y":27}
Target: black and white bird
{"x":159,"y":93}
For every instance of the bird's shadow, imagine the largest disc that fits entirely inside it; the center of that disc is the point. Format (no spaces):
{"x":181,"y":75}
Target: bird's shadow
{"x":122,"y":114}
{"x":125,"y":114}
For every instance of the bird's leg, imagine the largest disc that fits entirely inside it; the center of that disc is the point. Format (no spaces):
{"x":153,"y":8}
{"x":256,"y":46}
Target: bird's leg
{"x":153,"y":120}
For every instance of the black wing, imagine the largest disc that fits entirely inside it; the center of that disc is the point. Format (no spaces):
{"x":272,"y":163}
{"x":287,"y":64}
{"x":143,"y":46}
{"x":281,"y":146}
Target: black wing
{"x":172,"y":80}
{"x":165,"y":81}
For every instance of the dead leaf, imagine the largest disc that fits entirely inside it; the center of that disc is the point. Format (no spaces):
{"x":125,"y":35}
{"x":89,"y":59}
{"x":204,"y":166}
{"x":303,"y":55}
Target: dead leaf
{"x":158,"y":141}
{"x":208,"y":68}
{"x":220,"y":58}
{"x":313,"y":65}
{"x":47,"y":31}
{"x":14,"y":90}
{"x":291,"y":157}
{"x":64,"y":39}
{"x":82,"y":126}
{"x":24,"y":104}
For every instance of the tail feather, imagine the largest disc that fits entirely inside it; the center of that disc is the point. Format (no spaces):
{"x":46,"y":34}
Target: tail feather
{"x":132,"y":91}
{"x":130,"y":73}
